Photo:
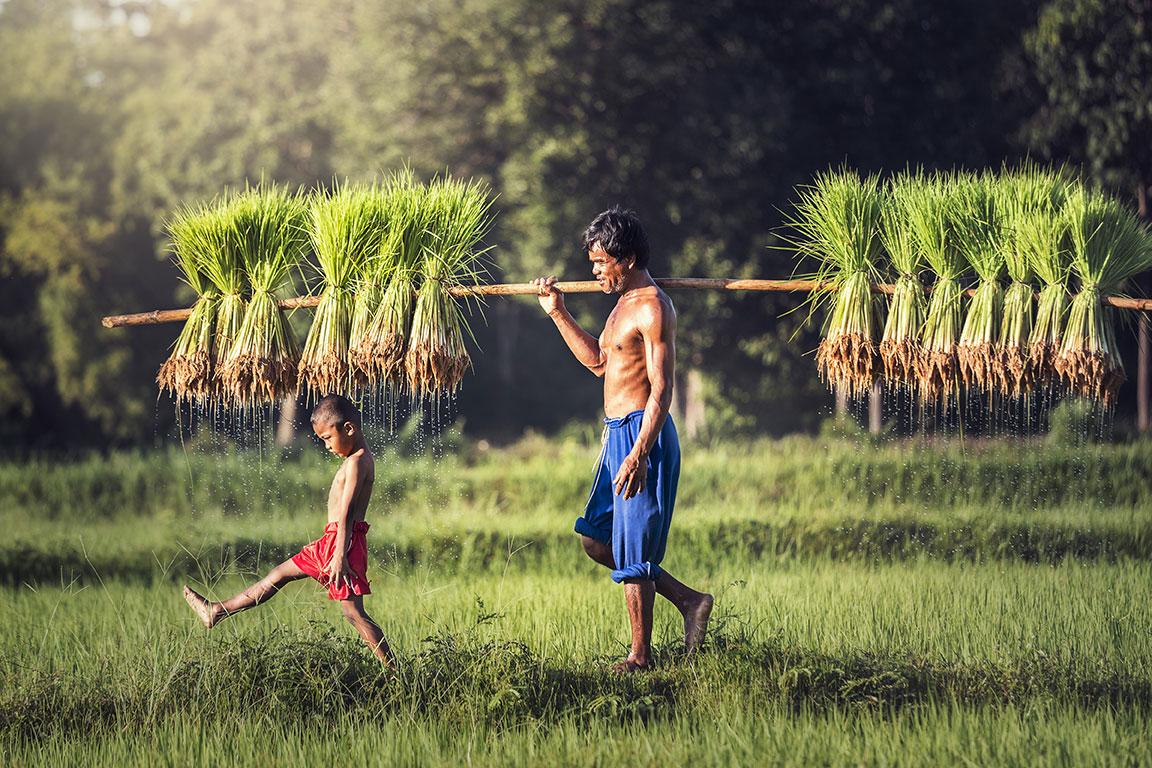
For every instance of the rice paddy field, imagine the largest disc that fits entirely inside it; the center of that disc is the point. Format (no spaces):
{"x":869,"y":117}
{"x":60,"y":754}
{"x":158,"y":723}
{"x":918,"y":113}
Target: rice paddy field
{"x":902,"y":603}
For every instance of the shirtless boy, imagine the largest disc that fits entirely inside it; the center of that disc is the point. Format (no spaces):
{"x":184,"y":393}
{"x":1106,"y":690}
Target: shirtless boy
{"x":625,"y":523}
{"x":339,"y":558}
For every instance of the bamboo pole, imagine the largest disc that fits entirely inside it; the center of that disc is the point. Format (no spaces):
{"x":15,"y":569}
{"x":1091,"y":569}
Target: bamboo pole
{"x":159,"y":316}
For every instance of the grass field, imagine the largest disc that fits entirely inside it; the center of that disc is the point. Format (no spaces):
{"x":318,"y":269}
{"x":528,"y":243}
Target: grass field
{"x":901,"y":604}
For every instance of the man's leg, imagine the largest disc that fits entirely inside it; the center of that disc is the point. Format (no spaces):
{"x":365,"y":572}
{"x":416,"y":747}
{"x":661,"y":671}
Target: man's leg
{"x":695,"y":607}
{"x":639,"y":595}
{"x":368,"y":630}
{"x":212,"y":613}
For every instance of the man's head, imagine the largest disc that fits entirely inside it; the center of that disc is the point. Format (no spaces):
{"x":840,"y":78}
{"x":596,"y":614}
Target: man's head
{"x":616,"y":246}
{"x":336,"y":421}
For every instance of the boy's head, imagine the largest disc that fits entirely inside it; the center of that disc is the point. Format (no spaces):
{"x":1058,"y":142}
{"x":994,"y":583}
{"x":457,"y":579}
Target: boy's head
{"x":336,"y":421}
{"x":616,"y":244}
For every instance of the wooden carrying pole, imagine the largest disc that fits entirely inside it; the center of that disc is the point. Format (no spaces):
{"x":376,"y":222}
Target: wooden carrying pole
{"x":158,"y":316}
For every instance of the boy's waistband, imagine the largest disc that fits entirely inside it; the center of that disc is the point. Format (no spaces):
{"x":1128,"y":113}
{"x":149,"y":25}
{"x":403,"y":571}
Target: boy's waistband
{"x":357,"y":527}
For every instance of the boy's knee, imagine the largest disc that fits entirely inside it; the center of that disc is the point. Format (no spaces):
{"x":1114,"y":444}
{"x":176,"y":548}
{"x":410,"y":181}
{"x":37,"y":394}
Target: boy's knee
{"x":352,"y":612}
{"x":597,"y":550}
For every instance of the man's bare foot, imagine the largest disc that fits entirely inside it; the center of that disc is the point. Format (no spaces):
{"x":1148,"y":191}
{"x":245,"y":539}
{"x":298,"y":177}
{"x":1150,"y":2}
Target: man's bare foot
{"x":696,"y":623}
{"x":204,"y":609}
{"x":630,"y":666}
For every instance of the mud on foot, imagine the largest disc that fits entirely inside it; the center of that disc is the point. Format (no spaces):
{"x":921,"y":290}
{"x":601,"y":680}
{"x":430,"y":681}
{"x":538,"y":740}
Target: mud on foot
{"x":202,"y":607}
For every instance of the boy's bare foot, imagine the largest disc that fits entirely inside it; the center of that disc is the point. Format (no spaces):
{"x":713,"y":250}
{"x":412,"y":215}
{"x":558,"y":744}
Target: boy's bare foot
{"x":696,"y":623}
{"x":630,"y":666}
{"x":204,"y":609}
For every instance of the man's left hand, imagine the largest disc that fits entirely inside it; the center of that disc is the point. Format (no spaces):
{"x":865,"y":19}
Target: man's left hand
{"x":630,"y":478}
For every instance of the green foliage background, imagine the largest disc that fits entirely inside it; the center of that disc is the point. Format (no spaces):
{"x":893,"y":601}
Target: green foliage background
{"x":703,"y":116}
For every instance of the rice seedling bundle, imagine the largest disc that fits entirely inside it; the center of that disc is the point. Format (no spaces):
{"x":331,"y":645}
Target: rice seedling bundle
{"x":196,"y":238}
{"x":838,"y":219}
{"x":347,"y":223}
{"x":900,"y":348}
{"x":270,"y":235}
{"x":222,"y":265}
{"x":981,"y":242}
{"x":932,"y":212}
{"x":1107,"y":246}
{"x":406,"y":234}
{"x":437,"y":357}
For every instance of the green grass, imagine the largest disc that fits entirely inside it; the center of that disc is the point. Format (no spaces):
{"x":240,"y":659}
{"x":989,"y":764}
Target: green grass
{"x":857,"y":621}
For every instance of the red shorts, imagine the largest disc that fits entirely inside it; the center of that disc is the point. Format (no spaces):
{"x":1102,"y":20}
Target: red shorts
{"x":314,"y":558}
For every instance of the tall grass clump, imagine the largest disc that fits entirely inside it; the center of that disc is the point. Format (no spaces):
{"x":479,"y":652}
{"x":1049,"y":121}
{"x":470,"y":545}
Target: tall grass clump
{"x":981,"y":242}
{"x":838,"y":220}
{"x":1107,"y":246}
{"x":270,"y":236}
{"x":437,"y":357}
{"x":197,"y":237}
{"x":406,"y":237}
{"x":932,"y":218}
{"x":347,"y":224}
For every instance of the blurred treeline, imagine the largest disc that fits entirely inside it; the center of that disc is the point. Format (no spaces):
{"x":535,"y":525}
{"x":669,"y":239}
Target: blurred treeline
{"x":702,"y":116}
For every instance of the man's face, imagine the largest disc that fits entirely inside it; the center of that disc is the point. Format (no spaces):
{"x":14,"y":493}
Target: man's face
{"x":337,"y":439}
{"x":609,"y":272}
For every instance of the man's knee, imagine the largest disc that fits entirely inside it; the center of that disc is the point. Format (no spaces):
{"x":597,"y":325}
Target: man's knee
{"x":598,"y":551}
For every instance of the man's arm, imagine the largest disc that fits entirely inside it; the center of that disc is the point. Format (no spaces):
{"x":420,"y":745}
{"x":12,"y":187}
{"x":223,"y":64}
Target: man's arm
{"x":584,"y":345}
{"x":658,"y":328}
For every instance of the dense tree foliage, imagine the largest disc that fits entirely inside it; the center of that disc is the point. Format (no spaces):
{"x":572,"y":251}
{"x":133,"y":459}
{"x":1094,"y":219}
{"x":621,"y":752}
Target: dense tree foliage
{"x":703,"y":116}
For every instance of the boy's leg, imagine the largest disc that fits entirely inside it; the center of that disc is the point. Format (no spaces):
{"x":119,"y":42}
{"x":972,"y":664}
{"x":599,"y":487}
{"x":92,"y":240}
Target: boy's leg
{"x":695,"y":607}
{"x":368,"y":629}
{"x":212,"y":613}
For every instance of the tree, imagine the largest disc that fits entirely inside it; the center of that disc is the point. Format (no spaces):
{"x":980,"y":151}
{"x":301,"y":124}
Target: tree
{"x":1091,"y":63}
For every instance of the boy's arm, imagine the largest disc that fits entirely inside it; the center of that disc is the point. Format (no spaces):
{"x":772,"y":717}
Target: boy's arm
{"x":584,"y":345}
{"x":337,"y":567}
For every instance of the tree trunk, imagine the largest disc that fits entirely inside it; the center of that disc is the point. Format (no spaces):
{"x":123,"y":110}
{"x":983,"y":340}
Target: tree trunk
{"x":841,"y":403}
{"x":286,"y":427}
{"x":688,"y":407}
{"x":876,"y":408}
{"x":1144,"y":338}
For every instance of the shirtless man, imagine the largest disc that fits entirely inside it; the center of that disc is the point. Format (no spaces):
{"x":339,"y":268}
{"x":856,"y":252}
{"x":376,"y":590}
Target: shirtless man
{"x":625,"y":523}
{"x":339,"y":558}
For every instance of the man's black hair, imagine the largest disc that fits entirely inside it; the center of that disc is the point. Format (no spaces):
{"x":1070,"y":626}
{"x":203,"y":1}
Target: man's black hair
{"x":334,"y":410}
{"x":620,"y":233}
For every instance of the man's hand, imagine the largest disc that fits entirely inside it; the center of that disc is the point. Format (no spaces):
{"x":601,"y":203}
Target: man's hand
{"x":551,"y":299}
{"x":338,"y":572}
{"x":631,"y":477}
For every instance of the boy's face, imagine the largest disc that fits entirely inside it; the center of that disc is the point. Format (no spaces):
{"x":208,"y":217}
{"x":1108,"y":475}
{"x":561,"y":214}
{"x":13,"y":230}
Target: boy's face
{"x":339,"y":439}
{"x":609,"y":272}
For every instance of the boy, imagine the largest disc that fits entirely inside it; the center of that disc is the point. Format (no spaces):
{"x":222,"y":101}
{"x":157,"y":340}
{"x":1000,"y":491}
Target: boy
{"x":339,"y":558}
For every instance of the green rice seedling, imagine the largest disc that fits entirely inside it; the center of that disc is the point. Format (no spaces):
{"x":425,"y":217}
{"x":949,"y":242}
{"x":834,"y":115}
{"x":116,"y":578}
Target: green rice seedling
{"x":196,"y":237}
{"x":981,"y":242}
{"x":932,"y":213}
{"x":437,"y":357}
{"x":347,"y":223}
{"x":379,"y":350}
{"x":1026,"y":200}
{"x":1107,"y":246}
{"x":224,"y":268}
{"x":1041,"y":234}
{"x":838,"y":219}
{"x":900,"y":348}
{"x":269,"y":232}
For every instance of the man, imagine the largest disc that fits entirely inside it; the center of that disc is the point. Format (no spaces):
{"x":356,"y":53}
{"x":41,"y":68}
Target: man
{"x":625,"y":523}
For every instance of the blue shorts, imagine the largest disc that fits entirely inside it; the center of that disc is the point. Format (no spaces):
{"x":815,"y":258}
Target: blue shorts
{"x":636,"y":528}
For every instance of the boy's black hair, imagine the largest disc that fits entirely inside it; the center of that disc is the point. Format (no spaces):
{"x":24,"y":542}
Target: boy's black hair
{"x":620,"y":233}
{"x":334,"y":410}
